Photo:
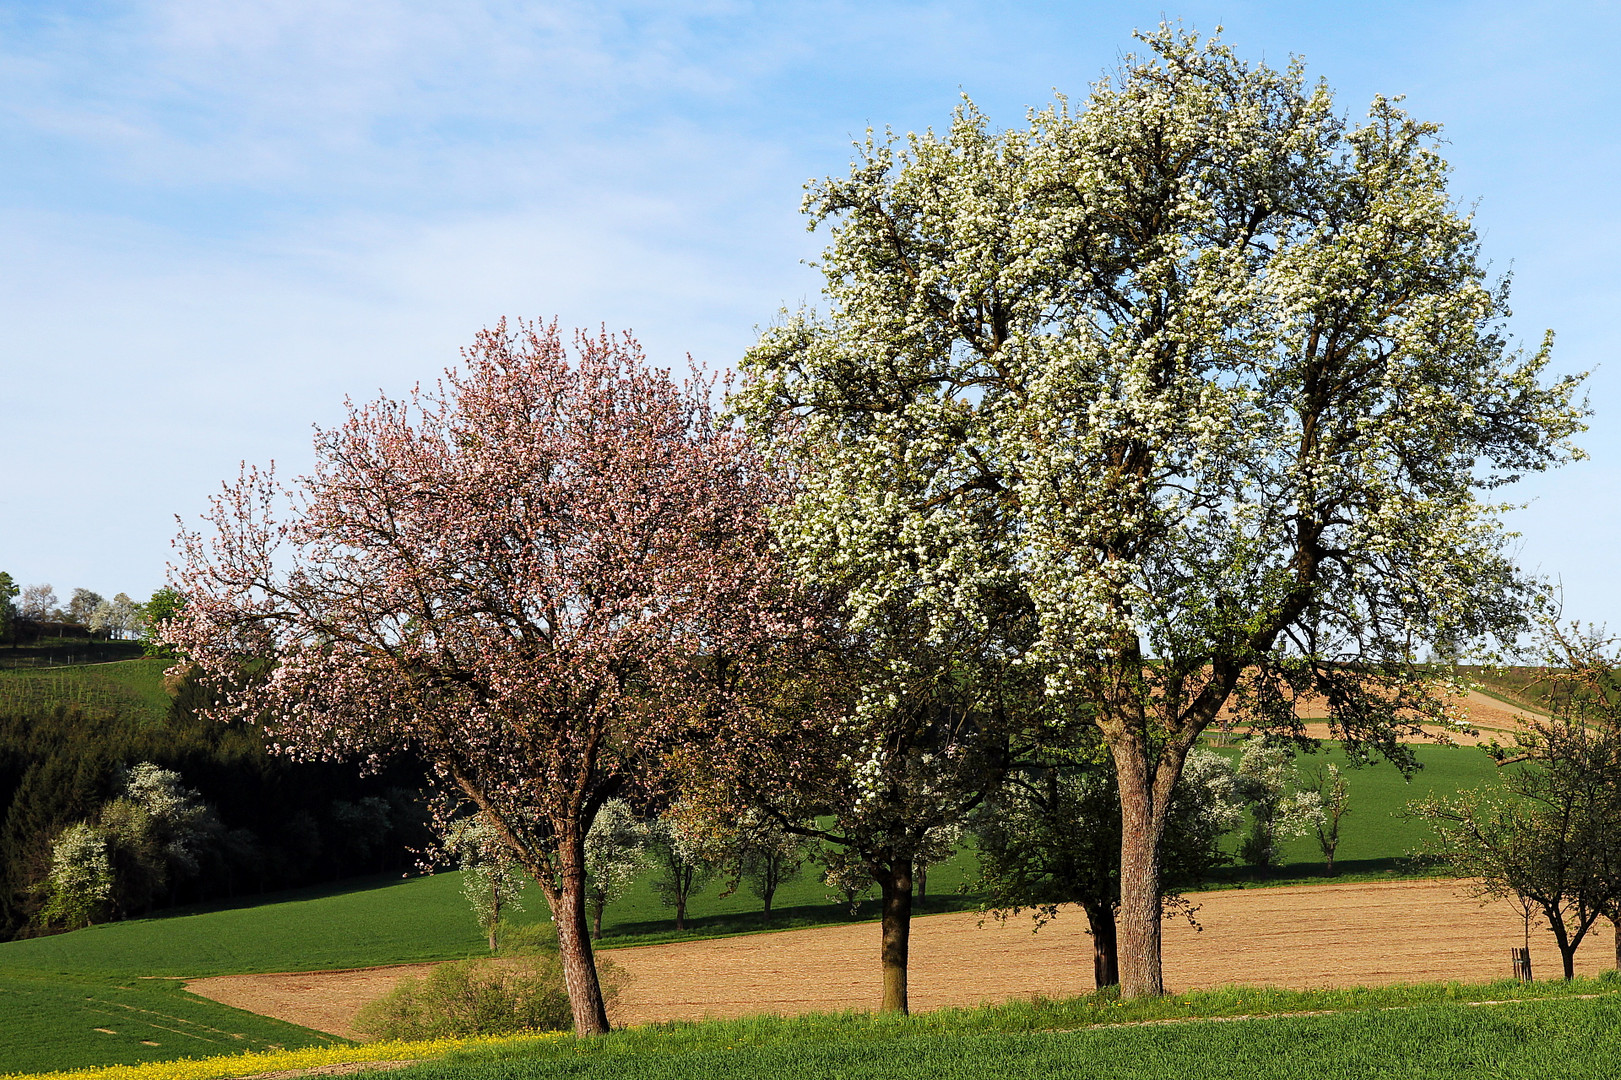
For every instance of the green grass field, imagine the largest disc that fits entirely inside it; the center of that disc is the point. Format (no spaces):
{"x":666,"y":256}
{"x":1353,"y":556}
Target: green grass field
{"x":63,"y":1021}
{"x":1428,"y":1031}
{"x":125,"y":686}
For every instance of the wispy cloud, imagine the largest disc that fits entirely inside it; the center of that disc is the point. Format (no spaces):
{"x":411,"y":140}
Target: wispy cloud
{"x":219,"y":218}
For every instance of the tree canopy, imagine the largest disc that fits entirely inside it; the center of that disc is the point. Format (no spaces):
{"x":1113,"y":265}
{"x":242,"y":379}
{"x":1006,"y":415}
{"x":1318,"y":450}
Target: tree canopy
{"x":1211,"y":377}
{"x":532,"y":574}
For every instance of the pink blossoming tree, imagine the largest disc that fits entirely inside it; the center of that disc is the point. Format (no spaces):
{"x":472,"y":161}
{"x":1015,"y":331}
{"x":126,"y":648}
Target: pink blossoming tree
{"x":536,"y":575}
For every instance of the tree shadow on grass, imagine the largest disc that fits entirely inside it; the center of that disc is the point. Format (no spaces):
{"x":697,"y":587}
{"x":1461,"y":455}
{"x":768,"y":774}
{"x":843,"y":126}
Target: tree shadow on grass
{"x":796,"y":917}
{"x":1346,"y":871}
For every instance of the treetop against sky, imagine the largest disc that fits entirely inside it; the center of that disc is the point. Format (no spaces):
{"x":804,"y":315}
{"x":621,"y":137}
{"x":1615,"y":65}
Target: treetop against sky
{"x":220,"y":221}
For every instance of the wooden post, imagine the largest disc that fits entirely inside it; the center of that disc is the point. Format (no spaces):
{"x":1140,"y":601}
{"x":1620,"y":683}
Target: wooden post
{"x":1522,"y":964}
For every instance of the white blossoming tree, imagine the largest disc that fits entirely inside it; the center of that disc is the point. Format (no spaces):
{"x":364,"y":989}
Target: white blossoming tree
{"x":492,"y":880}
{"x":1281,"y":806}
{"x":79,"y":890}
{"x":1212,"y":375}
{"x":615,"y":852}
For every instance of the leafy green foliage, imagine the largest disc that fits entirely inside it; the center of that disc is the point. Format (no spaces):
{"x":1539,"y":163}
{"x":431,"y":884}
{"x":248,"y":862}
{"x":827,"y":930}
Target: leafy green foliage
{"x":163,"y":606}
{"x":473,"y":997}
{"x":54,"y":1022}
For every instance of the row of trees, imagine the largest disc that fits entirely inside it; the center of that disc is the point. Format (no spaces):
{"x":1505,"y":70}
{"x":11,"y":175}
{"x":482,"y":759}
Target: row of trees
{"x":1181,"y":404}
{"x":37,"y":607}
{"x":620,"y":846}
{"x":1048,"y":836}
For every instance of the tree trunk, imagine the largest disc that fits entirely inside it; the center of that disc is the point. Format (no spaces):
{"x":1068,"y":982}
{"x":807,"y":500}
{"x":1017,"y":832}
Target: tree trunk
{"x":1105,"y":945}
{"x":897,"y":934}
{"x":1615,"y":922}
{"x":596,"y":921}
{"x":1141,"y":826}
{"x":923,"y":882}
{"x":766,"y":895}
{"x":681,"y":910}
{"x":1561,"y":938}
{"x":574,"y":942}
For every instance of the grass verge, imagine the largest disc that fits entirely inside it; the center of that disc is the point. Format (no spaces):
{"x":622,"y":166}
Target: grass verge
{"x":1426,"y":1030}
{"x":1546,"y":1030}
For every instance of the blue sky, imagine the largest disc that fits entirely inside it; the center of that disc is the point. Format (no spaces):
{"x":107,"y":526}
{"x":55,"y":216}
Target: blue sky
{"x":218,"y":220}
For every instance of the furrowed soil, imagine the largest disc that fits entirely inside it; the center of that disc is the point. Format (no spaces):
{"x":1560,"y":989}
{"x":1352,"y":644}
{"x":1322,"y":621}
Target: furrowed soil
{"x":1490,"y":719}
{"x":1299,"y":937}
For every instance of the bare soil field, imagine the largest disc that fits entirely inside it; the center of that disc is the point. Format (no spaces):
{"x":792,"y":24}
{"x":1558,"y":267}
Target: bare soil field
{"x":1299,"y":937}
{"x":1491,"y":718}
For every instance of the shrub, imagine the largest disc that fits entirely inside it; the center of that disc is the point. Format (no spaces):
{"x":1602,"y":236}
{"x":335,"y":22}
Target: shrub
{"x":473,"y":997}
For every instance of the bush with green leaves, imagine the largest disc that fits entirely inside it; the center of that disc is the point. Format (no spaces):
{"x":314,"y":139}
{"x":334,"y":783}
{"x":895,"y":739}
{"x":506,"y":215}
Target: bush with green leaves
{"x":473,"y":997}
{"x":520,"y":990}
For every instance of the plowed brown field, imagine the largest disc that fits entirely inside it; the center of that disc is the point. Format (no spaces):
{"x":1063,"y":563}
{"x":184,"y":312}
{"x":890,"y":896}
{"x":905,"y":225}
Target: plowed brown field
{"x":1300,"y":936}
{"x":1491,"y":719}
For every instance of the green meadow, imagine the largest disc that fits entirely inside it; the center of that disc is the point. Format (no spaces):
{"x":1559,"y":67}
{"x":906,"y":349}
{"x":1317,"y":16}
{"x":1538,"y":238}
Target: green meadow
{"x":1565,"y":1038}
{"x":126,"y":687}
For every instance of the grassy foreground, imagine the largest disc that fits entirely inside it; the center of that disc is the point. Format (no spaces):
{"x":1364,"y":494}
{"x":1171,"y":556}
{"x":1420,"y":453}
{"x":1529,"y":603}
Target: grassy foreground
{"x":1432,"y":1030}
{"x":1568,"y":1040}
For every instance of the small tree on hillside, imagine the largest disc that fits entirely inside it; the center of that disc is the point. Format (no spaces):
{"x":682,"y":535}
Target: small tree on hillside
{"x":83,"y":606}
{"x":1333,"y":800}
{"x":751,"y":847}
{"x":38,"y":603}
{"x":615,"y":852}
{"x":1281,"y":808}
{"x":492,"y":880}
{"x":116,"y":618}
{"x":683,"y":861}
{"x":769,"y":857}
